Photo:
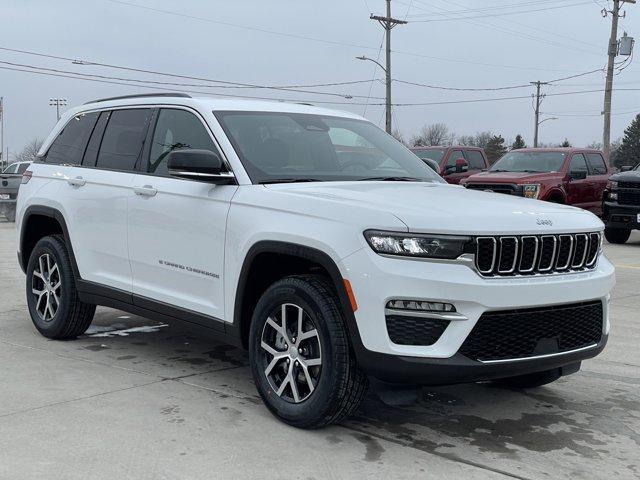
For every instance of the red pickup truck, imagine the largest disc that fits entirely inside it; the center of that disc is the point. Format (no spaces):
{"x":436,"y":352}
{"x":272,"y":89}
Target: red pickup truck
{"x":573,"y":176}
{"x":456,"y":163}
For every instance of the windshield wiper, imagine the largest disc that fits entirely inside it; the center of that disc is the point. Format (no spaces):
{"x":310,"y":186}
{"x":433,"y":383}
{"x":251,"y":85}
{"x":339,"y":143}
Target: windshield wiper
{"x":290,"y":180}
{"x":392,"y":179}
{"x":498,"y":170}
{"x":534,"y":171}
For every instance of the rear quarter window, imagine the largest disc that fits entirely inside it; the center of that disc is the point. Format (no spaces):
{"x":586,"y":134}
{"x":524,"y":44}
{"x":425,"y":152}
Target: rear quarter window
{"x":69,"y":145}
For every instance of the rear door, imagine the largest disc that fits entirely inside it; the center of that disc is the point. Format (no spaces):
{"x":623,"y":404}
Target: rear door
{"x":97,"y":193}
{"x":598,"y":175}
{"x":579,"y":191}
{"x":177,"y":226}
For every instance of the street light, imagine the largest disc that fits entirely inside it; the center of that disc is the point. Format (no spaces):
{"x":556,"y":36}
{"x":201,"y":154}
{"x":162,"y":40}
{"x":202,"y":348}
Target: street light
{"x":550,"y":118}
{"x":388,"y":90}
{"x":58,"y":102}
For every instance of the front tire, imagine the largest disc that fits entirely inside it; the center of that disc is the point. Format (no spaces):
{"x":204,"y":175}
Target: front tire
{"x":617,"y":235}
{"x":54,"y":306}
{"x":300,"y":354}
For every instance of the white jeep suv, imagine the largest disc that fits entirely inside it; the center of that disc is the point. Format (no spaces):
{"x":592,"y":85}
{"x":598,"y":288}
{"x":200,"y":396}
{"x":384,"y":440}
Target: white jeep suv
{"x":312,"y":239}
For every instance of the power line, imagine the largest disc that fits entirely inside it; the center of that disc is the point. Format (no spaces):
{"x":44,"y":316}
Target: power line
{"x":332,"y":42}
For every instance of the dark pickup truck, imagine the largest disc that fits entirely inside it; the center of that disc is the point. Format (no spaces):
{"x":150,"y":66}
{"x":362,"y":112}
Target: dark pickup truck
{"x":10,"y":180}
{"x":573,"y":176}
{"x":621,"y":205}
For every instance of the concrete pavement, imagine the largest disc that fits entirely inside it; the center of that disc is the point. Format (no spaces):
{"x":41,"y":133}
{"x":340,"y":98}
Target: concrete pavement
{"x":137,"y":399}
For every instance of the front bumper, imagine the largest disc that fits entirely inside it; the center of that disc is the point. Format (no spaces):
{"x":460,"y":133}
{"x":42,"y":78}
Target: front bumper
{"x":620,"y":216}
{"x":376,"y":280}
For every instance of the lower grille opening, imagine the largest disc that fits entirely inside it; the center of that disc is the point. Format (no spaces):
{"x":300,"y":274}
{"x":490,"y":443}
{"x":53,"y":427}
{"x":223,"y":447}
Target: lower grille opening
{"x":415,"y":330}
{"x":503,"y":335}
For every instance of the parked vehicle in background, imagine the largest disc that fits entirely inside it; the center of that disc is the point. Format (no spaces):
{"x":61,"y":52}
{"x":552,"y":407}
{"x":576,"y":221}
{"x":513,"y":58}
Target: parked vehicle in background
{"x":455,"y":163}
{"x":621,"y":204}
{"x":311,"y":238}
{"x":572,"y":176}
{"x":10,"y":180}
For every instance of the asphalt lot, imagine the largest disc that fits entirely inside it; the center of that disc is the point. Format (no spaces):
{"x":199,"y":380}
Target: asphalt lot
{"x":157,"y":402}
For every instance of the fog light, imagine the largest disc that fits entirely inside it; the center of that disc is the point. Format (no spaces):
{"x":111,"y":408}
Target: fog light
{"x":420,"y":306}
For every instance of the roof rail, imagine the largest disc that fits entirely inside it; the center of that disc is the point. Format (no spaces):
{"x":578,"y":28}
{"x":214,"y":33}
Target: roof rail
{"x":141,"y":95}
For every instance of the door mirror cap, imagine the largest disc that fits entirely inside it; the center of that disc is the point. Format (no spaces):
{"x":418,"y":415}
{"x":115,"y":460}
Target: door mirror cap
{"x":201,"y":165}
{"x":579,"y":175}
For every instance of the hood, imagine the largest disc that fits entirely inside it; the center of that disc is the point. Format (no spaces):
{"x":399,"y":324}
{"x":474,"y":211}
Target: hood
{"x":632,"y":176}
{"x":512,"y":177}
{"x":442,"y":208}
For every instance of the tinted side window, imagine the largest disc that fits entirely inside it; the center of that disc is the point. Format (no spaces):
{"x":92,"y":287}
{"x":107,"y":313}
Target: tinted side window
{"x":455,"y":155}
{"x":91,"y":154}
{"x":578,"y":163}
{"x":176,"y":129}
{"x":597,"y":163}
{"x":69,"y":146}
{"x":475,"y":159}
{"x":123,"y":139}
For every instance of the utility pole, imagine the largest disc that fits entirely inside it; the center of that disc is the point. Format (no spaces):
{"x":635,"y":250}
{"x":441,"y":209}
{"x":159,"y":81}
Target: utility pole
{"x":608,"y":89}
{"x":539,"y":97}
{"x":58,"y":102}
{"x":388,"y":23}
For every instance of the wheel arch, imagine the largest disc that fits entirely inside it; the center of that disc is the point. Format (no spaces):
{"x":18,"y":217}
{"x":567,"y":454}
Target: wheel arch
{"x":39,"y":221}
{"x":303,"y":259}
{"x":556,"y":195}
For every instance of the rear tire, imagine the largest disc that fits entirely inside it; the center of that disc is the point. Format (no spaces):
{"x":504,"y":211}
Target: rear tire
{"x":322,"y":352}
{"x":616,"y":235}
{"x":56,"y":310}
{"x":531,"y":380}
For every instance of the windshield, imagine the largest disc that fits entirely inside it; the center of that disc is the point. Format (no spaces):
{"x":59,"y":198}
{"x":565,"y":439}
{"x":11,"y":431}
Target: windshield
{"x":435,"y":154}
{"x":287,"y":147}
{"x":529,"y":162}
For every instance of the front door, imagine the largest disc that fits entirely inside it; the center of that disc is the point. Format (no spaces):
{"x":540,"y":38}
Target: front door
{"x":579,"y":190}
{"x":177,"y":226}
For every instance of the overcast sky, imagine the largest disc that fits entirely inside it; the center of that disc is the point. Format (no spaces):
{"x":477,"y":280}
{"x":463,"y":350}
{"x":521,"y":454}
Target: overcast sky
{"x":489,"y":48}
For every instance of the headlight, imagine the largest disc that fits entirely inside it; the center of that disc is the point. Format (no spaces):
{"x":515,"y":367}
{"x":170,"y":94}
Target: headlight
{"x":416,"y":245}
{"x":612,"y":185}
{"x":531,"y":190}
{"x":613,"y":196}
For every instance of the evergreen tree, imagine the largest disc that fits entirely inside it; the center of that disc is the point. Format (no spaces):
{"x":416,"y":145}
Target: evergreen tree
{"x":629,"y":151}
{"x":518,"y":143}
{"x":566,"y":143}
{"x":495,"y":148}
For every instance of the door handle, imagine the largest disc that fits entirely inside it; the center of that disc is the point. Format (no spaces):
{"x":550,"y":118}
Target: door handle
{"x":145,"y":191}
{"x":76,"y":182}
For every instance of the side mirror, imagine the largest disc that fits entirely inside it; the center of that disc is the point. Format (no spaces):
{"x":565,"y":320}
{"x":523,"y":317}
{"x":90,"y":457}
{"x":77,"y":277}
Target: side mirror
{"x":626,"y":168}
{"x":578,"y":175}
{"x":201,"y":165}
{"x":461,"y":165}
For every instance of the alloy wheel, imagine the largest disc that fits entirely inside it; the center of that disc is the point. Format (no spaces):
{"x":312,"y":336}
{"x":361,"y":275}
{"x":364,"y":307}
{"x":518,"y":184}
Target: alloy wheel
{"x":291,"y":353}
{"x":46,"y":286}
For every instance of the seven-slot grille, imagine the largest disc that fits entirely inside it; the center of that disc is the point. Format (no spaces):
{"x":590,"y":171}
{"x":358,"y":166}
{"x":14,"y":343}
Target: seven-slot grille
{"x":531,"y":254}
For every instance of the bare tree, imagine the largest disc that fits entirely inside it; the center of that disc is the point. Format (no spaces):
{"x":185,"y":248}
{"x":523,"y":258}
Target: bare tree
{"x":397,"y":134}
{"x":432,"y":135}
{"x":480,"y":139}
{"x":29,"y":152}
